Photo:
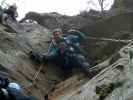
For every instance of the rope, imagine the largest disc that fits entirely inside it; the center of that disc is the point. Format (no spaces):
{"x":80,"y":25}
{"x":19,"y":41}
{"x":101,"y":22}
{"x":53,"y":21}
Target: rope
{"x":109,"y":39}
{"x":34,"y":78}
{"x":37,"y":73}
{"x":106,"y":39}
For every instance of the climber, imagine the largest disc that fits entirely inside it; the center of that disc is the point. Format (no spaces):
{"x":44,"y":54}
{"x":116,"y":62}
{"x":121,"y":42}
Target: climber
{"x":64,"y":49}
{"x":53,"y":51}
{"x":11,"y":91}
{"x":15,"y":92}
{"x":10,"y":12}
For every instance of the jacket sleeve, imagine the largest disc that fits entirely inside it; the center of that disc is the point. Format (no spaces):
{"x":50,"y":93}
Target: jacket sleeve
{"x":3,"y":82}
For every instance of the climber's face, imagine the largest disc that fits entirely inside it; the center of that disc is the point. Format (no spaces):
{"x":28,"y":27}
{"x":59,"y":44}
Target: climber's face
{"x":56,"y":35}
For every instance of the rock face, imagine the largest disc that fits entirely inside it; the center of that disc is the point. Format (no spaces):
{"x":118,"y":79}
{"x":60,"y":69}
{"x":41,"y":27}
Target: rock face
{"x":114,"y":82}
{"x":108,"y":44}
{"x":122,"y":3}
{"x":118,"y":26}
{"x":14,"y":58}
{"x":55,"y":20}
